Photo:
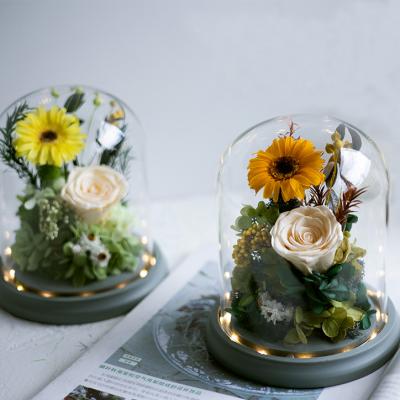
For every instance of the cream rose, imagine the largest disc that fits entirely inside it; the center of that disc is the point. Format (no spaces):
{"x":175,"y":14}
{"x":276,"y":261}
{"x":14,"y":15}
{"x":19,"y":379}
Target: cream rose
{"x":307,"y":237}
{"x":92,"y":191}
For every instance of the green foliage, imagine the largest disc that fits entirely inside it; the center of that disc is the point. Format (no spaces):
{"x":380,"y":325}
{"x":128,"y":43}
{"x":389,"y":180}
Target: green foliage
{"x":48,"y":174}
{"x":7,"y":151}
{"x":119,"y":156}
{"x":284,"y":206}
{"x":124,"y":249}
{"x":331,"y":304}
{"x":74,"y":101}
{"x":263,"y":214}
{"x":365,"y":322}
{"x":280,"y":279}
{"x":33,"y":250}
{"x":241,"y":280}
{"x":49,"y":230}
{"x":351,"y":219}
{"x":334,"y":323}
{"x":339,"y":283}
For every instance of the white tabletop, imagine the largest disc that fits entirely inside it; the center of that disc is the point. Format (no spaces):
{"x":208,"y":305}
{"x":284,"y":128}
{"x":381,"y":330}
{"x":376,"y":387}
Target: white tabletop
{"x":33,"y":354}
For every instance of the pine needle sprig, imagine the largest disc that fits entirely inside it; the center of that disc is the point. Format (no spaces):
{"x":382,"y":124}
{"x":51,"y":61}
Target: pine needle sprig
{"x":349,"y":200}
{"x":318,"y":195}
{"x":8,"y":153}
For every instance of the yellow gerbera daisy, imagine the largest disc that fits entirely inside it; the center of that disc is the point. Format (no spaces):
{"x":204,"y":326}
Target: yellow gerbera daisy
{"x":289,"y":166}
{"x":49,"y":137}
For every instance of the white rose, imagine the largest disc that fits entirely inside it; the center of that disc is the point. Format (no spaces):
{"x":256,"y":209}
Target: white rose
{"x":92,"y":191}
{"x":307,"y":237}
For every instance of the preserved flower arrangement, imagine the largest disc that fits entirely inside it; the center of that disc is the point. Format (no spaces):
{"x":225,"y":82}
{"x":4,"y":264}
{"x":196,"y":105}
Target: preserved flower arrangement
{"x":298,"y":270}
{"x":72,"y":154}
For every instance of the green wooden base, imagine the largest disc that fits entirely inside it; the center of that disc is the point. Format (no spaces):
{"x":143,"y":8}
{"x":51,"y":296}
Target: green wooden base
{"x":303,"y":373}
{"x":77,"y":309}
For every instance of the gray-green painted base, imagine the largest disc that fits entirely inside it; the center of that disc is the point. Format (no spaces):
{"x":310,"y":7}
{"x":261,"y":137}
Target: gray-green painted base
{"x":304,"y":372}
{"x":78,"y":309}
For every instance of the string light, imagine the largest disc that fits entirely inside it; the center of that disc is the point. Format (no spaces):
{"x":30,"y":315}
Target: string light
{"x":20,"y":288}
{"x":235,"y":338}
{"x":143,"y":273}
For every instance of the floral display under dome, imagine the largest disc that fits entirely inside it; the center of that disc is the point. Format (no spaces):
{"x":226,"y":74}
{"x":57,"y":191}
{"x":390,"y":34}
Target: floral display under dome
{"x":73,"y":194}
{"x":302,"y":228}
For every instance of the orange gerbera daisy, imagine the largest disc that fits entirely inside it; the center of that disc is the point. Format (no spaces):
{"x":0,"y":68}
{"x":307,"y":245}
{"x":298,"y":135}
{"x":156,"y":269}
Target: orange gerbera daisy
{"x":289,"y":166}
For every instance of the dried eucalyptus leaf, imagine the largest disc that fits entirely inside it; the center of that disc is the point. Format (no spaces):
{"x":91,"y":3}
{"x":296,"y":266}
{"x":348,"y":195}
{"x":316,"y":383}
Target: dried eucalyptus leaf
{"x":355,"y":139}
{"x":341,"y":130}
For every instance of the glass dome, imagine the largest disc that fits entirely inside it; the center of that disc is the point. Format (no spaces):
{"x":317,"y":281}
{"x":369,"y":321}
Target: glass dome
{"x":73,"y":193}
{"x":303,"y":214}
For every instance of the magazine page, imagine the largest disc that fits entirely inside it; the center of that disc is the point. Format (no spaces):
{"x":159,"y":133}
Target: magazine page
{"x":159,"y":352}
{"x":389,"y":386}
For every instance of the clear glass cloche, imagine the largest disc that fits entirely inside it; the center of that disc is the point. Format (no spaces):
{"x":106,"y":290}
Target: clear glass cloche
{"x":73,"y":194}
{"x":303,"y":214}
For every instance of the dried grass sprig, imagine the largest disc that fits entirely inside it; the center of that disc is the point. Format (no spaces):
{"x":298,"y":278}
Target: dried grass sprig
{"x":349,"y":200}
{"x":318,"y":195}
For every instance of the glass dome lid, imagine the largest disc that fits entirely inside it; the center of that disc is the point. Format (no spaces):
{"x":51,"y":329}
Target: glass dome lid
{"x":73,"y":194}
{"x":303,"y":214}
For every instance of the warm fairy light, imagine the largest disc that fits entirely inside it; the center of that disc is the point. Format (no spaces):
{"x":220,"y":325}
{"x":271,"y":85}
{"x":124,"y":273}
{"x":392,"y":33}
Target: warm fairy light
{"x":304,"y":355}
{"x":262,"y":351}
{"x":227,"y":318}
{"x":143,"y":273}
{"x":7,"y":251}
{"x":153,"y":261}
{"x":9,"y":275}
{"x":46,"y":294}
{"x":145,"y":258}
{"x":87,"y":294}
{"x":227,"y":296}
{"x":385,"y":318}
{"x":373,"y":335}
{"x":346,"y":349}
{"x":121,"y":285}
{"x":234,"y":337}
{"x":227,"y":275}
{"x":20,"y":288}
{"x":144,"y":240}
{"x":378,"y":315}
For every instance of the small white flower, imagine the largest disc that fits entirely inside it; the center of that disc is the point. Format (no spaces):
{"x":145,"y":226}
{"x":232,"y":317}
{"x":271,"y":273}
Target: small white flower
{"x":101,"y":259}
{"x":274,"y":311}
{"x":76,"y":248}
{"x":98,"y":253}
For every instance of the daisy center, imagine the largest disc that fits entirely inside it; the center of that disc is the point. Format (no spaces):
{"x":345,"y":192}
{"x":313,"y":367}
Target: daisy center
{"x":48,"y":136}
{"x":284,"y":168}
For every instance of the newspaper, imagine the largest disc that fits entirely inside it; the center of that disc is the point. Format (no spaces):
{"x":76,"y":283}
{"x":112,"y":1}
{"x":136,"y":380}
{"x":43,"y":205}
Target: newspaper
{"x":158,"y":351}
